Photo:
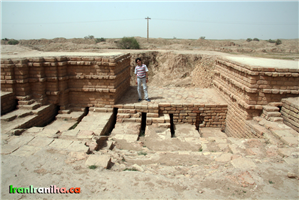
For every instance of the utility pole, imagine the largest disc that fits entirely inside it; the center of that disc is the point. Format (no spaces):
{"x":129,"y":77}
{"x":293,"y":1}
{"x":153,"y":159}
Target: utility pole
{"x":147,"y":27}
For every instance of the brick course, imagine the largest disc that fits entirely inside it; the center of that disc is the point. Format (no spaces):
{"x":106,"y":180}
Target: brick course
{"x":8,"y":102}
{"x":247,"y":89}
{"x":290,"y":112}
{"x":68,"y":81}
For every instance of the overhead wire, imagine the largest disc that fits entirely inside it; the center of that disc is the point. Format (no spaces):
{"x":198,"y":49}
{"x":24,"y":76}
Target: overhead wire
{"x":158,"y":19}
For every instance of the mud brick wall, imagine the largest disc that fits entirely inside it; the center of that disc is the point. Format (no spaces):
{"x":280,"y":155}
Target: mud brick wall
{"x":246,"y":89}
{"x":290,"y":112}
{"x":68,"y":81}
{"x":133,"y":113}
{"x":202,"y":115}
{"x":100,"y":83}
{"x":7,"y":76}
{"x":8,"y":102}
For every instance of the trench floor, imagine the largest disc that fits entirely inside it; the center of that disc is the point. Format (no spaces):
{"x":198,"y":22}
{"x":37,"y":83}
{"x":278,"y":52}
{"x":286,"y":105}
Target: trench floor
{"x":181,"y":95}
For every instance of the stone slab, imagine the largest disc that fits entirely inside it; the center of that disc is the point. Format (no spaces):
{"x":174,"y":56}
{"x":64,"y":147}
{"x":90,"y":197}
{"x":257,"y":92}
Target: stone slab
{"x":26,"y":151}
{"x":212,"y":132}
{"x":40,"y":141}
{"x":18,"y":141}
{"x":78,"y":146}
{"x":61,"y":144}
{"x":118,"y":137}
{"x":282,"y":133}
{"x":70,"y":133}
{"x":85,"y":134}
{"x":243,"y":163}
{"x":286,"y":152}
{"x":226,"y":157}
{"x":75,"y":156}
{"x":291,"y":141}
{"x":61,"y":125}
{"x":34,"y":129}
{"x":218,"y":140}
{"x":99,"y":160}
{"x":50,"y":133}
{"x":8,"y":149}
{"x":130,"y":138}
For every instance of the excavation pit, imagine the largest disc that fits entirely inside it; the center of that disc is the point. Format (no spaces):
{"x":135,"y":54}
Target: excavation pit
{"x":221,"y":160}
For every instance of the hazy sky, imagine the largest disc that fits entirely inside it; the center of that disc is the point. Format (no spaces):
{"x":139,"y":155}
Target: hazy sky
{"x":169,"y":19}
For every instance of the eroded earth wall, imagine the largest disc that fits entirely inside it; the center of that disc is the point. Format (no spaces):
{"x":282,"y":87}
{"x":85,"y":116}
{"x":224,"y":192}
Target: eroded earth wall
{"x":247,"y":89}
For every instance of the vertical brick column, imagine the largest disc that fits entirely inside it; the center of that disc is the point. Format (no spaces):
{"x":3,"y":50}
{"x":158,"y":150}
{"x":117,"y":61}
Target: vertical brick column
{"x":63,"y":82}
{"x":7,"y":76}
{"x":22,"y":78}
{"x":50,"y":68}
{"x":37,"y":79}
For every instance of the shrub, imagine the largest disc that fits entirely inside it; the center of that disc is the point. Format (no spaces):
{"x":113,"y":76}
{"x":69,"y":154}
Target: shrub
{"x":278,"y":42}
{"x":89,"y":37}
{"x":142,"y":153}
{"x":13,"y":42}
{"x":202,"y":37}
{"x":100,"y":40}
{"x":249,"y":40}
{"x":5,"y":39}
{"x":271,"y":41}
{"x":128,"y":43}
{"x":93,"y":167}
{"x":130,"y":169}
{"x":256,"y":39}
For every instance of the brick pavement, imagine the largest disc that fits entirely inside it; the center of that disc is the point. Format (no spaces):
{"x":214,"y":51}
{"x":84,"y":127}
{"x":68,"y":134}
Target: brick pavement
{"x":181,"y":95}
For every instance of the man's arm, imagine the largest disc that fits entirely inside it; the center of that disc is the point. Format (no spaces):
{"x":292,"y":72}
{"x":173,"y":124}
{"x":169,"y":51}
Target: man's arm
{"x":146,"y":76}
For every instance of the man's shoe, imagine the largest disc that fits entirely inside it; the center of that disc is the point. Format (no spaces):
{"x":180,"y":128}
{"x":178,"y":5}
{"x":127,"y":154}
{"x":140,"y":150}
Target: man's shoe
{"x":139,"y":100}
{"x":148,"y":100}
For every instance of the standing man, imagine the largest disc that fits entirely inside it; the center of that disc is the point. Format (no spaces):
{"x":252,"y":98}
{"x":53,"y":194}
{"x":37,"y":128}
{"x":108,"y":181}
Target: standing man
{"x":141,"y":78}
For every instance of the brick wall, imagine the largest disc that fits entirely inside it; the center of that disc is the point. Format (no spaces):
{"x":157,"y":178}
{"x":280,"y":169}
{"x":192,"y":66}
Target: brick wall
{"x":200,"y":115}
{"x":68,"y":81}
{"x":8,"y":102}
{"x":290,"y":112}
{"x":246,"y":89}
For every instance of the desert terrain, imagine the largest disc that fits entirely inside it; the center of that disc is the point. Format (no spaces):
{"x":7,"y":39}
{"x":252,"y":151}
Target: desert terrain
{"x":193,"y":165}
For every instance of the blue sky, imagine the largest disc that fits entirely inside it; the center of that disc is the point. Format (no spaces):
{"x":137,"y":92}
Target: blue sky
{"x":169,"y":19}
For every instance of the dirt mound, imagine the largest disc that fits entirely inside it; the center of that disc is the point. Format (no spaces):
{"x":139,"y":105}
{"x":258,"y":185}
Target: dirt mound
{"x":202,"y":75}
{"x":168,"y":69}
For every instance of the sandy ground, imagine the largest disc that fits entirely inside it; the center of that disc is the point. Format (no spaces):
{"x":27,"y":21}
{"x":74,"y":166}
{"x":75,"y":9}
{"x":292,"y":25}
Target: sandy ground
{"x":190,"y":166}
{"x":11,"y":51}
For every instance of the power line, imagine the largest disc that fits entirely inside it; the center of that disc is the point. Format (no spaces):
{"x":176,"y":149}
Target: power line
{"x":219,"y":22}
{"x":158,"y":19}
{"x":76,"y":22}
